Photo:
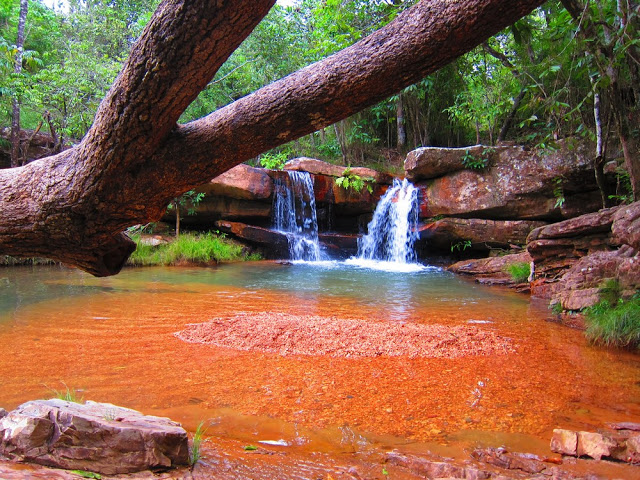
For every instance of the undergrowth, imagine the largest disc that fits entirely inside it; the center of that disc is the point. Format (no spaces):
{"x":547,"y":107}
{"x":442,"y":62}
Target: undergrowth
{"x":201,"y":248}
{"x":615,"y":324}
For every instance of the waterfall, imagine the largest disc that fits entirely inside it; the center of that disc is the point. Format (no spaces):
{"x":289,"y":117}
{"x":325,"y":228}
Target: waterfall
{"x":392,"y":232}
{"x":294,"y":213}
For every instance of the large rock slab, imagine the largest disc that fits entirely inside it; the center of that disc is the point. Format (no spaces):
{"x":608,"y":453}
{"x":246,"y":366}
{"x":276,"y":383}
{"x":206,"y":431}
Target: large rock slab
{"x":579,"y":254}
{"x":426,"y":163}
{"x":483,"y":234}
{"x":318,"y":167}
{"x":96,"y":437}
{"x":241,"y":182}
{"x":274,"y":243}
{"x":517,"y":184}
{"x":490,"y":270}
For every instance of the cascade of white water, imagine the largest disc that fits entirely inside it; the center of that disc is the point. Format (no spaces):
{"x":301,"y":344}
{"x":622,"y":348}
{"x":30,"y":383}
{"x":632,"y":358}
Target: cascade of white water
{"x":294,"y":213}
{"x":392,"y":232}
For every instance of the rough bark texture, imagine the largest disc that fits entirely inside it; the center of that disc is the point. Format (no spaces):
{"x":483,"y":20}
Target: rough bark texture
{"x":73,"y":206}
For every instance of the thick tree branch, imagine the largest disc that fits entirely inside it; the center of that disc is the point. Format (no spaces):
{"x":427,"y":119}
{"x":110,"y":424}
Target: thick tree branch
{"x":71,"y":207}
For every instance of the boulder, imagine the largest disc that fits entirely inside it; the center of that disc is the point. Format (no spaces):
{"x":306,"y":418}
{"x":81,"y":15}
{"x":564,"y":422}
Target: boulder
{"x":276,"y":242}
{"x":581,"y":285}
{"x":483,"y":234}
{"x":426,"y":163}
{"x":564,"y":442}
{"x":517,"y":184}
{"x":626,"y":225}
{"x":490,"y":270}
{"x":318,"y":167}
{"x":96,"y":437}
{"x":242,"y":182}
{"x":557,"y":247}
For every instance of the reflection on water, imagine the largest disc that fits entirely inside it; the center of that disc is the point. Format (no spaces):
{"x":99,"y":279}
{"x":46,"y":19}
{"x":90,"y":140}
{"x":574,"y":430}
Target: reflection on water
{"x":113,"y":339}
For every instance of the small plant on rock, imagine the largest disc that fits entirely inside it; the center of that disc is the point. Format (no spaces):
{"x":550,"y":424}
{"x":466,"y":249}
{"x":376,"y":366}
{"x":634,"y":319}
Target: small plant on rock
{"x":194,"y":452}
{"x":350,"y":180}
{"x":519,"y":271}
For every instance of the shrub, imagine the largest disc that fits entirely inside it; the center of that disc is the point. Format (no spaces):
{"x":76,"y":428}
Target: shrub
{"x":519,"y":271}
{"x":615,"y":325}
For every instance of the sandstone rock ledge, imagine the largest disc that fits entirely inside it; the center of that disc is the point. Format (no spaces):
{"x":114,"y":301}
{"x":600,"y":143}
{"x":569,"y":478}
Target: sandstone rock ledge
{"x":96,"y":437}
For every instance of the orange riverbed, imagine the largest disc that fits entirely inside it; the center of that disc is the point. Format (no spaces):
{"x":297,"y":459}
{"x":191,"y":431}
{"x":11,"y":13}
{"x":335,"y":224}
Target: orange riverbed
{"x":115,"y":342}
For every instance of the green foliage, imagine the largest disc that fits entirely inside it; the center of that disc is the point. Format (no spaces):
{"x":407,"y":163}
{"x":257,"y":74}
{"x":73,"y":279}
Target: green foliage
{"x":86,"y":474}
{"x":461,"y":246}
{"x":188,"y":200}
{"x":250,"y":448}
{"x":472,"y":162}
{"x":615,"y":325}
{"x":196,"y":443}
{"x":203,"y":248}
{"x":273,"y":161}
{"x":68,"y":394}
{"x":519,"y":271}
{"x":556,"y":308}
{"x":350,"y":180}
{"x":558,"y":192}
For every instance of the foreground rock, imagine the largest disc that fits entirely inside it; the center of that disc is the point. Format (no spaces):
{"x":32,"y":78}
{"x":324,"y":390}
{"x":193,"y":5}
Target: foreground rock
{"x":96,"y":437}
{"x":620,"y":443}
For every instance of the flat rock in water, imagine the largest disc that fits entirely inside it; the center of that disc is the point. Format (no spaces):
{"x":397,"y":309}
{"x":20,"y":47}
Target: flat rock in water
{"x":96,"y":437}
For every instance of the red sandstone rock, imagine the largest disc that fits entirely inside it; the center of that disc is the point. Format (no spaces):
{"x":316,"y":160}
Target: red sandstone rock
{"x":492,"y":268}
{"x":483,"y":234}
{"x":594,"y":445}
{"x":518,"y":184}
{"x":318,"y":167}
{"x":241,"y":182}
{"x":97,"y":437}
{"x":564,"y":442}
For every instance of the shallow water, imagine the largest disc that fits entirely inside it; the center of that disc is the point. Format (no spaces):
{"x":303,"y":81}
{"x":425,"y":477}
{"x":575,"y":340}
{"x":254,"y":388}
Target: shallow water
{"x":113,"y":339}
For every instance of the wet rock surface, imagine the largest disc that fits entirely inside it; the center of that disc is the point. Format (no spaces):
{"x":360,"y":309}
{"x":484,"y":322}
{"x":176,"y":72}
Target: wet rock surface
{"x":622,"y":444}
{"x":97,"y":437}
{"x":491,"y":270}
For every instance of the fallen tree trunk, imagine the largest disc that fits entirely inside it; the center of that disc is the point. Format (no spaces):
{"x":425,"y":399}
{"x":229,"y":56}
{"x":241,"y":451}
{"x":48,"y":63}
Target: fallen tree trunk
{"x":72,"y":207}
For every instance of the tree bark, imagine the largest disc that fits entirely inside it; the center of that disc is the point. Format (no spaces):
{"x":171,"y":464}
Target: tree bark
{"x":15,"y":104}
{"x":72,"y":207}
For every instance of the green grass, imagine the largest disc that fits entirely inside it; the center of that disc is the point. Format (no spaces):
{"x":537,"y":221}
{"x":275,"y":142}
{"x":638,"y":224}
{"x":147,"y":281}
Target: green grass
{"x":615,"y":326}
{"x":196,"y":443}
{"x":202,"y":248}
{"x":519,"y":271}
{"x":68,"y":394}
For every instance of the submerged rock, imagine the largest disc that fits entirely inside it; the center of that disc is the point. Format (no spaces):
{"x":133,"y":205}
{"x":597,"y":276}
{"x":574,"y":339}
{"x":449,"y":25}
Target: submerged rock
{"x":96,"y":437}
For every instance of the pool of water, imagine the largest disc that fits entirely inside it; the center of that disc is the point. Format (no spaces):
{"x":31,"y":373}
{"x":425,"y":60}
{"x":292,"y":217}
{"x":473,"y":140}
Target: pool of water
{"x":113,"y":340}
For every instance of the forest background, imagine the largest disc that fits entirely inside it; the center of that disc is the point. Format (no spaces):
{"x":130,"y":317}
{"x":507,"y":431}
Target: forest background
{"x":567,"y":69}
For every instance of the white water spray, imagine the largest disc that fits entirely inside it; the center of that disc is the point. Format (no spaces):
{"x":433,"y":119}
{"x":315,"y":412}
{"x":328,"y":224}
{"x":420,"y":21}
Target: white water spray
{"x":392,"y":232}
{"x":294,"y":214}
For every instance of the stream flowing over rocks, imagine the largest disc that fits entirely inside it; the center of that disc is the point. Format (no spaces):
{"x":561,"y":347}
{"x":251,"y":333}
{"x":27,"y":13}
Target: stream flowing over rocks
{"x":525,"y":206}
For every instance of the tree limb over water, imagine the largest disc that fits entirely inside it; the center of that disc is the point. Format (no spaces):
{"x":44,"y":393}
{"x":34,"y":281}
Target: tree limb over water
{"x":72,"y":207}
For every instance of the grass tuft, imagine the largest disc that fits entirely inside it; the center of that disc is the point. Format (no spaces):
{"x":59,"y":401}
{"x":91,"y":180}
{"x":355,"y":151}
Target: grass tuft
{"x":68,"y":394}
{"x":519,"y":271}
{"x":202,"y":248}
{"x":194,"y":452}
{"x":615,"y":326}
